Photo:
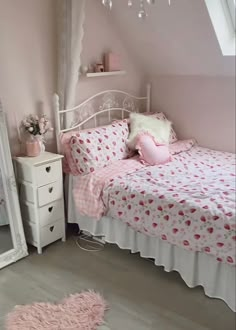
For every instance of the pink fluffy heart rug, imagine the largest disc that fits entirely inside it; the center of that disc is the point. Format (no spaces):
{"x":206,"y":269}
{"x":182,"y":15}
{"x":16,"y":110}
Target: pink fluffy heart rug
{"x":83,"y":311}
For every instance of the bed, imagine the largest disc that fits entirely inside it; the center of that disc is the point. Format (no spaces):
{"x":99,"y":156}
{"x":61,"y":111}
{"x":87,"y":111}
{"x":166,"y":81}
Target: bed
{"x":181,"y":214}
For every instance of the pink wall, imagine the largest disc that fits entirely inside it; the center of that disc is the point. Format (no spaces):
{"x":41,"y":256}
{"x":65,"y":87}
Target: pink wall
{"x":101,"y":36}
{"x":27,"y":60}
{"x":173,"y":40}
{"x":200,"y":107}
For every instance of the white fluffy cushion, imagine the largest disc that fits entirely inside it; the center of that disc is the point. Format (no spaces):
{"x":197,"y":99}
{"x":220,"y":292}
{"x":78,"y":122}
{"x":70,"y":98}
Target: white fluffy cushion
{"x":159,"y":129}
{"x":161,"y":116}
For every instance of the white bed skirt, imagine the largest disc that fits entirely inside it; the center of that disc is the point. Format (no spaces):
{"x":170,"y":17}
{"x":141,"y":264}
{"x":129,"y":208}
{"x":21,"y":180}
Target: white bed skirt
{"x":195,"y":268}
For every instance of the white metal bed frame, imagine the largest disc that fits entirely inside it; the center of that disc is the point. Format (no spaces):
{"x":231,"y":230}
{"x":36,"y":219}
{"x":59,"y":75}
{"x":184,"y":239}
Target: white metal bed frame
{"x":117,"y":101}
{"x":105,"y":102}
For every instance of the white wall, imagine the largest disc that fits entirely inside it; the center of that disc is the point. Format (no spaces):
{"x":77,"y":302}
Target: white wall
{"x":200,"y":107}
{"x":27,"y":60}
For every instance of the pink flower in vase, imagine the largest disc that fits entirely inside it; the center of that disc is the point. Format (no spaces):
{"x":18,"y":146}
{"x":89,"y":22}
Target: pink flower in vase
{"x":42,"y":128}
{"x":36,"y":127}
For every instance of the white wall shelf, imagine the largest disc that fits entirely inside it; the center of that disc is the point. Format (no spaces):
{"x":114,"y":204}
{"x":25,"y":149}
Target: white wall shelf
{"x":104,"y":74}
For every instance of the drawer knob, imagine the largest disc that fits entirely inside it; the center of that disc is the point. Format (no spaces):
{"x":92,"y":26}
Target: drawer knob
{"x":51,"y":228}
{"x":50,"y":209}
{"x":50,"y":190}
{"x":48,"y":169}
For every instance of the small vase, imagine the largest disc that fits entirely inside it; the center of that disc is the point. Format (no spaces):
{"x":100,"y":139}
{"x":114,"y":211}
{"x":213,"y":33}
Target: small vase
{"x":33,"y":148}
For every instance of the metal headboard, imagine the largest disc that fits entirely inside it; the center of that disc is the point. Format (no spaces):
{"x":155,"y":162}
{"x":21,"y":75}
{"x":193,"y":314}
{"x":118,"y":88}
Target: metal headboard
{"x":107,"y":102}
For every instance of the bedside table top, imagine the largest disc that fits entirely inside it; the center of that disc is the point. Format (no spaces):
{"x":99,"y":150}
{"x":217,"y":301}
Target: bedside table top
{"x":44,"y":158}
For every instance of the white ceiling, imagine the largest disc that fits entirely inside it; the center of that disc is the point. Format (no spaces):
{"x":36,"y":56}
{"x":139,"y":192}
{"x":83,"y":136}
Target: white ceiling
{"x":175,"y":40}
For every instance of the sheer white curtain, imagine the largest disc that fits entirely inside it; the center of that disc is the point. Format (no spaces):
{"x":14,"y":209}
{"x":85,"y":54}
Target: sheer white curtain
{"x":71,"y":16}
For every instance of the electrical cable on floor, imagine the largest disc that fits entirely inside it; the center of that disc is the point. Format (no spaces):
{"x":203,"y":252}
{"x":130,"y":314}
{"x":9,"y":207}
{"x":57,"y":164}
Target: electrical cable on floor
{"x":87,"y":243}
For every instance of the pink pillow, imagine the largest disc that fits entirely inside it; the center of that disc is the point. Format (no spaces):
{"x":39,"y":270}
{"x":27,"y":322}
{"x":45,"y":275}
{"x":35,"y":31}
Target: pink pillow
{"x":98,"y":147}
{"x":150,"y":152}
{"x":69,"y":166}
{"x":181,"y":145}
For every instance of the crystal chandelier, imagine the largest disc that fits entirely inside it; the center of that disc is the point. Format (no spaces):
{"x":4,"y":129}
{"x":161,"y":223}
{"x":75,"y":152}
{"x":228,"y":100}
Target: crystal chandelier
{"x":142,"y":13}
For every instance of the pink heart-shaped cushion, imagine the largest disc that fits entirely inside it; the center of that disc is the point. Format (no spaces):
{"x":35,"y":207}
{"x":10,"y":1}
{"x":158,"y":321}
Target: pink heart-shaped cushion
{"x":84,"y":311}
{"x":152,"y":153}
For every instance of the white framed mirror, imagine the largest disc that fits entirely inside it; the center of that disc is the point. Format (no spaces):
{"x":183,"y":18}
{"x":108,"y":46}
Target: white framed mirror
{"x":12,"y":240}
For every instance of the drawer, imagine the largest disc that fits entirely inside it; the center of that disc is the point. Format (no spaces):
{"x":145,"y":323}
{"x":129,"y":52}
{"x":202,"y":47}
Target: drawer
{"x":51,"y":212}
{"x":48,"y":234}
{"x":47,"y":214}
{"x":50,"y":193}
{"x":48,"y":173}
{"x":52,"y":232}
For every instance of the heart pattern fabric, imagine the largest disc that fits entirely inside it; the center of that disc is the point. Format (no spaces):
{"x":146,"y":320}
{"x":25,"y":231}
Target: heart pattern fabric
{"x":84,"y":311}
{"x":189,"y":202}
{"x":99,"y":147}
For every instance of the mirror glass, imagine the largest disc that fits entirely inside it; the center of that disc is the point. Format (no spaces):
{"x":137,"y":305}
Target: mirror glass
{"x":6,"y":243}
{"x":12,"y":239}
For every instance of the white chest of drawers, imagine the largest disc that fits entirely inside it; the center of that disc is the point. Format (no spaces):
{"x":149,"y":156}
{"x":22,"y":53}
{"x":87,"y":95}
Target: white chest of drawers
{"x":41,"y":198}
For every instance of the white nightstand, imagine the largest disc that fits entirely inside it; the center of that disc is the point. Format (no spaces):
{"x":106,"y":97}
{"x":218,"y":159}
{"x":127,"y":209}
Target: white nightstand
{"x":41,"y":198}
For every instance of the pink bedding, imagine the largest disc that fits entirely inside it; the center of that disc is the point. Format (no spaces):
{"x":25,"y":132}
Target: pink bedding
{"x":189,"y":202}
{"x":89,"y":188}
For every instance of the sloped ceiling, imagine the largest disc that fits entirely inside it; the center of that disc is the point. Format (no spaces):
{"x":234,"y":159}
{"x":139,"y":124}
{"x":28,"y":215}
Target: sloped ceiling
{"x":175,"y":40}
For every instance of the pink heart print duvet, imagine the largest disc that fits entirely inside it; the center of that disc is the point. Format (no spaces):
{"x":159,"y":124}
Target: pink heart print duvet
{"x":188,"y":202}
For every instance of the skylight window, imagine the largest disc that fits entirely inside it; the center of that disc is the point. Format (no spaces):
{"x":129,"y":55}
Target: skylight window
{"x":232,"y":7}
{"x":222,"y":14}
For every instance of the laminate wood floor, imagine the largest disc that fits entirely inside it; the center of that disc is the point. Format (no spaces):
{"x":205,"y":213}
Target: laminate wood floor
{"x":141,"y":296}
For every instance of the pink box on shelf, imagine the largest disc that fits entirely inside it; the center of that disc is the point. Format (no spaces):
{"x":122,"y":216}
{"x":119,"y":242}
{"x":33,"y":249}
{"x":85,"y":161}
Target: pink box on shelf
{"x":112,"y":62}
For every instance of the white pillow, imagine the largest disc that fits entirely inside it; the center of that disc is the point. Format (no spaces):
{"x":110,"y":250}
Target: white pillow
{"x":159,"y":129}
